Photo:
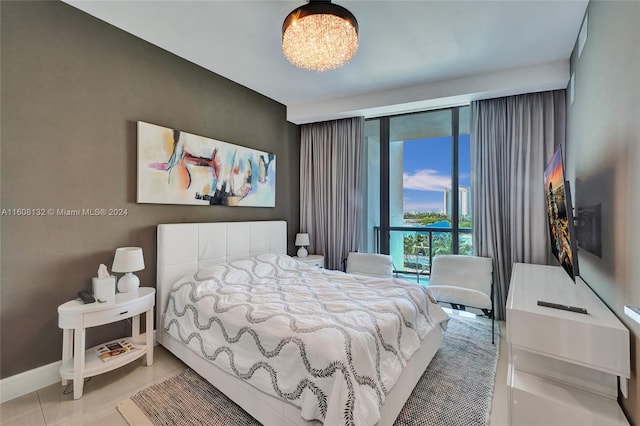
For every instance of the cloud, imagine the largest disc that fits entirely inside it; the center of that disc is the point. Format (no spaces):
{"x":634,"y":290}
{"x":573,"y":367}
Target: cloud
{"x":426,"y":180}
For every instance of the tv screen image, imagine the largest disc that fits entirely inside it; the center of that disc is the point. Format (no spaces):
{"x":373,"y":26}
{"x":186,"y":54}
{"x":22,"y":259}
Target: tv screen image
{"x":560,"y":215}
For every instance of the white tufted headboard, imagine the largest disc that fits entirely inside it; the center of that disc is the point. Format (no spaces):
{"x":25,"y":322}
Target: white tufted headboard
{"x":187,"y":247}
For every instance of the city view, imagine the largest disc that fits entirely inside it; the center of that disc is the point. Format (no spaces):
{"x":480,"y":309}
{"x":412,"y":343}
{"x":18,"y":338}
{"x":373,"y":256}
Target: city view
{"x":418,"y":161}
{"x":427,"y":201}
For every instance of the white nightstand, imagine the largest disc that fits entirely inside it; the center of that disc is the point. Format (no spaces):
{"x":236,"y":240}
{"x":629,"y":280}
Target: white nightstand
{"x":74,"y":317}
{"x":312,"y":259}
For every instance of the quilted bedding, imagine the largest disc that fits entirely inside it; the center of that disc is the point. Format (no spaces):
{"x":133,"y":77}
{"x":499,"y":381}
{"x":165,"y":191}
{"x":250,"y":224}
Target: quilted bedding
{"x":332,"y":344}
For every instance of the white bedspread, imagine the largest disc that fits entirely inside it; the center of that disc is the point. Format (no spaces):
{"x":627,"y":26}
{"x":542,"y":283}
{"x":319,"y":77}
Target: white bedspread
{"x":331,"y":343}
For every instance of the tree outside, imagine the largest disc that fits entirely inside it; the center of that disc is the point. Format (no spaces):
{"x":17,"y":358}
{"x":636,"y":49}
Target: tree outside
{"x":416,"y":244}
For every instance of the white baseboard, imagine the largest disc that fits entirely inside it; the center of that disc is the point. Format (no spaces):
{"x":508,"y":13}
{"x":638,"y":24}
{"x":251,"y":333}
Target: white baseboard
{"x":34,"y":379}
{"x":29,"y":381}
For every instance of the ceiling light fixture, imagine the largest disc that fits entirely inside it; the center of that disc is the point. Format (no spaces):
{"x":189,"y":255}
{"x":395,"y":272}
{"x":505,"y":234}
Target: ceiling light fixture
{"x":320,"y":36}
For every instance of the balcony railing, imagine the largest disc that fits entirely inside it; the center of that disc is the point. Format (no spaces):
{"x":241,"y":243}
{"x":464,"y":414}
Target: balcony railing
{"x":422,"y":245}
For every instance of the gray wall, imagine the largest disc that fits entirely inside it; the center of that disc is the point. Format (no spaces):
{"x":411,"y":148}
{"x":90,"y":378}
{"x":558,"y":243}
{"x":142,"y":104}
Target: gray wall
{"x":603,"y":144}
{"x":73,"y":88}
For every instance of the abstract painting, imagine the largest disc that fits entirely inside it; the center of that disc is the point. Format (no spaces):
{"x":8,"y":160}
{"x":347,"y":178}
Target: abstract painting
{"x":175,"y":167}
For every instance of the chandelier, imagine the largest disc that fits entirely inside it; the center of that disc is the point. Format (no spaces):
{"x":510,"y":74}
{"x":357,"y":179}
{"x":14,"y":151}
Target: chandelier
{"x":319,"y":36}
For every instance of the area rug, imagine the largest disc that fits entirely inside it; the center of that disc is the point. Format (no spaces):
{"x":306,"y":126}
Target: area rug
{"x":456,"y":389}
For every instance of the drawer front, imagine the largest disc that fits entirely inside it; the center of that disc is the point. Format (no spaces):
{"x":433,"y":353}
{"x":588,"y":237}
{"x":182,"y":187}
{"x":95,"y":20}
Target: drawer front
{"x":107,"y":316}
{"x":315,"y":262}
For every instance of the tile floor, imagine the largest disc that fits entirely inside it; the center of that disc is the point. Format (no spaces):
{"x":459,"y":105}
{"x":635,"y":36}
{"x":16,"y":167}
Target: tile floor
{"x":50,"y":406}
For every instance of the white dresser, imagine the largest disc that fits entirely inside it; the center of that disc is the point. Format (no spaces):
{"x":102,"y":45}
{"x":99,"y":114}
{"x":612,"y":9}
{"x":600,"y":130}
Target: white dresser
{"x":564,"y":366}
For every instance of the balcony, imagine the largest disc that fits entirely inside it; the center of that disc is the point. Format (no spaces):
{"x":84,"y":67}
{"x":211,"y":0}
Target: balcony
{"x":413,"y":248}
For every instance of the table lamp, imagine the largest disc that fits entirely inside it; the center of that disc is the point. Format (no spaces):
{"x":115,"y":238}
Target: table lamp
{"x":128,"y":260}
{"x":302,"y":240}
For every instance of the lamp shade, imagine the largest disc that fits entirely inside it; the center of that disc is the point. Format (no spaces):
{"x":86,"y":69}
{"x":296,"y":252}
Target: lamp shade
{"x":128,"y":259}
{"x":319,"y":36}
{"x":302,"y":239}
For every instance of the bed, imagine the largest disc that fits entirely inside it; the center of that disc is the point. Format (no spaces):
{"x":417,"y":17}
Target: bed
{"x":207,"y":252}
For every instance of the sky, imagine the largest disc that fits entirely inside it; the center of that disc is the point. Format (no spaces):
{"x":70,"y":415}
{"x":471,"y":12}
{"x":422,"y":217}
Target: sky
{"x":427,"y":172}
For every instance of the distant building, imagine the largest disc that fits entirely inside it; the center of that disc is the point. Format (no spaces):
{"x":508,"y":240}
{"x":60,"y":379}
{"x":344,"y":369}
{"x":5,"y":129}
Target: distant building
{"x":464,"y":201}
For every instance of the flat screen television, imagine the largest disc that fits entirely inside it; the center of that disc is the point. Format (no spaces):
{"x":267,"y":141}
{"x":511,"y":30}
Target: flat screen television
{"x":560,"y":215}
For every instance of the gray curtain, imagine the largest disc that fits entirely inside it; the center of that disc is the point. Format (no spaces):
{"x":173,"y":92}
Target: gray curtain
{"x":331,"y":187}
{"x":512,"y":140}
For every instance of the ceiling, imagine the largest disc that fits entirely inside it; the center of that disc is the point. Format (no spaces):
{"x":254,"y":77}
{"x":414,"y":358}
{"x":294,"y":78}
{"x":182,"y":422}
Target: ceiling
{"x":412,"y":55}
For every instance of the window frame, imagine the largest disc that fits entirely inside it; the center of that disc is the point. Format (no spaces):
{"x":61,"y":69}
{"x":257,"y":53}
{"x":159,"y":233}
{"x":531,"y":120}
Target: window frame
{"x":385,"y":174}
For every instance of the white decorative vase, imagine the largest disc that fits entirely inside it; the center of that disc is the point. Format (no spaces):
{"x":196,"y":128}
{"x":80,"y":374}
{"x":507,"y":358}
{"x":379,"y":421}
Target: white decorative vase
{"x":128,"y":283}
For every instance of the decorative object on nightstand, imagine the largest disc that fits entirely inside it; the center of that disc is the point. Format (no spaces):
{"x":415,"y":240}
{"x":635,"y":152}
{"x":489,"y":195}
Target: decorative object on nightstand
{"x":128,"y":260}
{"x":104,"y":285}
{"x":302,"y":240}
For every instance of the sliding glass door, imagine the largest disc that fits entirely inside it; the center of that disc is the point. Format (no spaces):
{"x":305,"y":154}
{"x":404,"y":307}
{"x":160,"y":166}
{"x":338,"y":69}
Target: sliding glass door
{"x":416,"y":163}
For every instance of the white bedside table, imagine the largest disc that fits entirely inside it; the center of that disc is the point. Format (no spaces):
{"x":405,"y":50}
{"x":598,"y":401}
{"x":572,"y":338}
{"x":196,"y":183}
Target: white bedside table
{"x":312,"y":259}
{"x":74,"y":317}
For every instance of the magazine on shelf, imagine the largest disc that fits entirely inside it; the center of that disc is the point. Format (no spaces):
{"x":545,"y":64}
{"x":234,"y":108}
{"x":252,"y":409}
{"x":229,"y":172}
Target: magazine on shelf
{"x":112,"y":350}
